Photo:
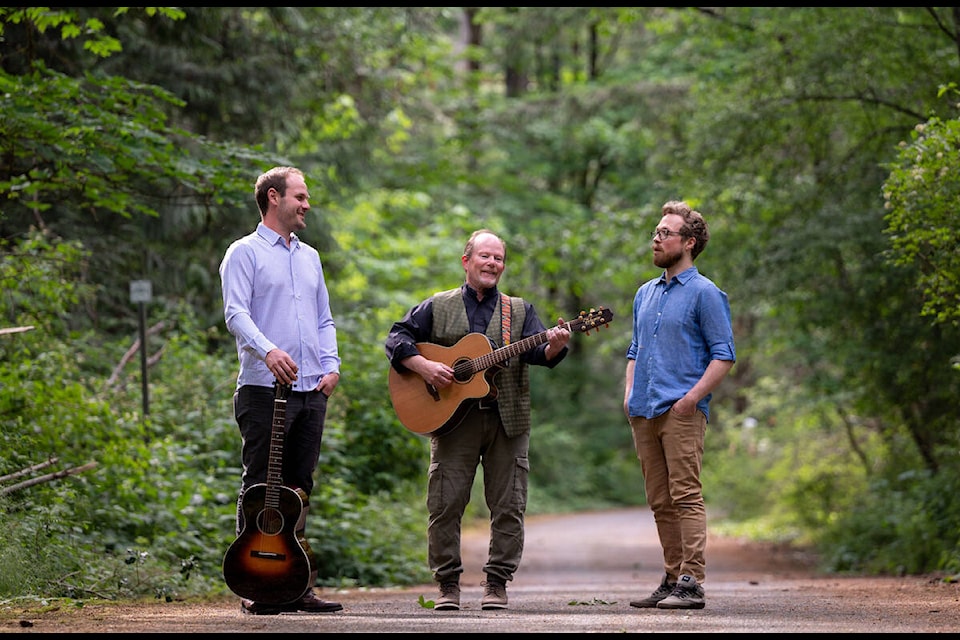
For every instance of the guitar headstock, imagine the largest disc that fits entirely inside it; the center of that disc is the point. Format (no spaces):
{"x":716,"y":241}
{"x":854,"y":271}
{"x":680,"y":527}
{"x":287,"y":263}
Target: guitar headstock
{"x":594,"y":319}
{"x":281,"y":390}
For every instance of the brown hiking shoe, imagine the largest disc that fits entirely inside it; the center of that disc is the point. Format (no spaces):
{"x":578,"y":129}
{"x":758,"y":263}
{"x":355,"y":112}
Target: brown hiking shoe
{"x":494,"y":595}
{"x":449,"y":598}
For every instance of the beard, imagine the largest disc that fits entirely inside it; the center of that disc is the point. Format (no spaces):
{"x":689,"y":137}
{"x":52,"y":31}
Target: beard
{"x":666,"y":260}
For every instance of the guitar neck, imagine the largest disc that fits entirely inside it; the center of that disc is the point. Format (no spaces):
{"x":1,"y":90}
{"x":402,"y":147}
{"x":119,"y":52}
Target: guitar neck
{"x":275,"y":459}
{"x":506,"y":352}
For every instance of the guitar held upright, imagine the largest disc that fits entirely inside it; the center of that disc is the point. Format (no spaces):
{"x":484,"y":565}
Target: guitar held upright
{"x":271,"y":561}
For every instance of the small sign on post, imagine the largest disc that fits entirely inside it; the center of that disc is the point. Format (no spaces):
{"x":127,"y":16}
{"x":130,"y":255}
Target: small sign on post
{"x":141,"y":290}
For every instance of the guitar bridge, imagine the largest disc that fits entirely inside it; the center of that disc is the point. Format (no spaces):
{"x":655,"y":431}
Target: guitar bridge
{"x":267,"y":555}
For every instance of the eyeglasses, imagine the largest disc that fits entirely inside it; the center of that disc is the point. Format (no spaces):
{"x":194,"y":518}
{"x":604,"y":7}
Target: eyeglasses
{"x":664,"y":234}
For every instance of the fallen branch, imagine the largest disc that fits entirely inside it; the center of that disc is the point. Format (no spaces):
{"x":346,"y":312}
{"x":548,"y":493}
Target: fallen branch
{"x":15,"y":330}
{"x":47,"y":478}
{"x":29,"y":470}
{"x":132,"y":351}
{"x":155,"y":358}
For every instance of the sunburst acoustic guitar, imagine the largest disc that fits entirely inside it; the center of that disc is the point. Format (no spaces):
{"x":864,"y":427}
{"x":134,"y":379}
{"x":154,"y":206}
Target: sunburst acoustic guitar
{"x":271,"y":561}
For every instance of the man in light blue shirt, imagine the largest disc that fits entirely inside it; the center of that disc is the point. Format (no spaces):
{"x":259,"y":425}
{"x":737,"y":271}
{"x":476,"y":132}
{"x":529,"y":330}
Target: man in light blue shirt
{"x":276,"y":305}
{"x":682,"y":348}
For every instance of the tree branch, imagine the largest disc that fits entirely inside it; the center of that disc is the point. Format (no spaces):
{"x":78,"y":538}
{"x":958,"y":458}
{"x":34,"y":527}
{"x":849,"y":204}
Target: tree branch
{"x":15,"y":329}
{"x":47,"y":478}
{"x":28,"y":470}
{"x":132,"y":351}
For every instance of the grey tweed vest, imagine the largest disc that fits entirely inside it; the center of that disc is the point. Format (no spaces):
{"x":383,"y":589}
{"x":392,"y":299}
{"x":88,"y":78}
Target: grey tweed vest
{"x":512,"y":381}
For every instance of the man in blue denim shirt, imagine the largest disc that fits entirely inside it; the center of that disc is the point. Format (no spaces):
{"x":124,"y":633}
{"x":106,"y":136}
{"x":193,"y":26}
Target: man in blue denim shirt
{"x":682,"y":348}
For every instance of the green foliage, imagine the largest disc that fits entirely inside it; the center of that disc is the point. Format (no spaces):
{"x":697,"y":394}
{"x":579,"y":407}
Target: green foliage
{"x":899,"y":526}
{"x":576,"y":468}
{"x":40,"y":281}
{"x":797,"y":449}
{"x":590,"y":603}
{"x":71,"y":25}
{"x":82,"y":138}
{"x":364,"y":540}
{"x":922,"y":197}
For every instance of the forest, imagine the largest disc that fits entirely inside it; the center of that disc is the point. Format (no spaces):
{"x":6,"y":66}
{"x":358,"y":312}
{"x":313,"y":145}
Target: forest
{"x":821,"y":144}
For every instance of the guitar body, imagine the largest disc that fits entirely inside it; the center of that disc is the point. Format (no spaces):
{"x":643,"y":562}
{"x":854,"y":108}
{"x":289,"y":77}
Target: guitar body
{"x":426,"y":410}
{"x":271,"y":561}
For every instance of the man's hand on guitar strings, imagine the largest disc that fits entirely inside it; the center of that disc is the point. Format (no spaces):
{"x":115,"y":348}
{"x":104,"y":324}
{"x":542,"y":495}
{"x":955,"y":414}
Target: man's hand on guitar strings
{"x":437,"y":374}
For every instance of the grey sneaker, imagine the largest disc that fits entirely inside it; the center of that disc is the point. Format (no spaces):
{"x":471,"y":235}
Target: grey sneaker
{"x":494,"y":595}
{"x":686,"y":595}
{"x":650,"y":602}
{"x":449,"y":599}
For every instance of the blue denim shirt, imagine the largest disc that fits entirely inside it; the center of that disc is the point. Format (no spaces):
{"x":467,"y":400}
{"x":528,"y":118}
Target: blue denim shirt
{"x":678,"y":328}
{"x":275,"y":296}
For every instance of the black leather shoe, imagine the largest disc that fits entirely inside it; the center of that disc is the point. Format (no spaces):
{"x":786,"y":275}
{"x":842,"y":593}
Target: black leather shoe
{"x":309,"y":603}
{"x":258,"y":608}
{"x":312,"y":603}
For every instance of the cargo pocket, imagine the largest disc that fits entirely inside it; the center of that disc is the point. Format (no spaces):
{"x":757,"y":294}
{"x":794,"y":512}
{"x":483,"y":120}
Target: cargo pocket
{"x":521,"y":473}
{"x":434,"y":487}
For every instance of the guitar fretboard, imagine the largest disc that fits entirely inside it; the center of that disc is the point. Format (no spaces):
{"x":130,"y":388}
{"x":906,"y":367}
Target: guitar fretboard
{"x":271,"y":498}
{"x":585,"y":322}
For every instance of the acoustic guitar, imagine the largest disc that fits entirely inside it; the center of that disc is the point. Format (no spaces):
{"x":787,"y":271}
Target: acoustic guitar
{"x":426,"y":410}
{"x":271,"y":561}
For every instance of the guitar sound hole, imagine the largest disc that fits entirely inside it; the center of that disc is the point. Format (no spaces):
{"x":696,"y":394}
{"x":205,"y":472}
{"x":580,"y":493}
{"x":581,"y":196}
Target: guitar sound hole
{"x":462,"y":371}
{"x":270,"y":522}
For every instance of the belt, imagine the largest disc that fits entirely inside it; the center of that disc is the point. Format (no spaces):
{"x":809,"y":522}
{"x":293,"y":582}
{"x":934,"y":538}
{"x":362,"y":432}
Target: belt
{"x":485,"y":404}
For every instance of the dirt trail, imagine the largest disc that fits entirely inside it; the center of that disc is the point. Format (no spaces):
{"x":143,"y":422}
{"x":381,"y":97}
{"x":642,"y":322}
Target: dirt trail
{"x":578,"y":575}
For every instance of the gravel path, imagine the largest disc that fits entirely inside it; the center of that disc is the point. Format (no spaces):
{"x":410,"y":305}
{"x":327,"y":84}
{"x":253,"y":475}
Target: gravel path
{"x":578,"y":575}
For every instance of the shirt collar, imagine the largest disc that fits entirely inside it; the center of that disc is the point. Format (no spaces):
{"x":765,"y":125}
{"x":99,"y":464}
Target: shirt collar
{"x":683,"y":277}
{"x":470,"y":291}
{"x":273,"y":237}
